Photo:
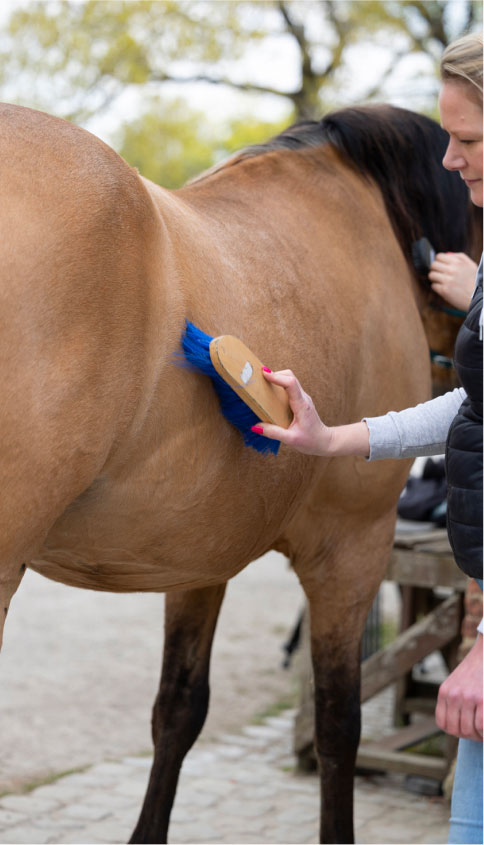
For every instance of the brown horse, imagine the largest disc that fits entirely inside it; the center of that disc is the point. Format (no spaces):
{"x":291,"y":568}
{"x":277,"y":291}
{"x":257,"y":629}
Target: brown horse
{"x":118,"y":471}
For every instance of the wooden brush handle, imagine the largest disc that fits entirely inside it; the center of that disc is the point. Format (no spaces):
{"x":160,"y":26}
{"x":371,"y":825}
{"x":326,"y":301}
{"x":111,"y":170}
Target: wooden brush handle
{"x":242,"y":370}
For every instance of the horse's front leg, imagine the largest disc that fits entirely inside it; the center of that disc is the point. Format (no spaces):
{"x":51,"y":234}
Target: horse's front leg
{"x":182,"y":702}
{"x":337,"y":729}
{"x":340,"y":588}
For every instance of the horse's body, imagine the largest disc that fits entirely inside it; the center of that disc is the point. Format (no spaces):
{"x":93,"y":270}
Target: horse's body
{"x":118,"y":471}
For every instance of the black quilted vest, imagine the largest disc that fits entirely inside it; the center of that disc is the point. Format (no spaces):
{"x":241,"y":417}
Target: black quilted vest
{"x":463,"y":457}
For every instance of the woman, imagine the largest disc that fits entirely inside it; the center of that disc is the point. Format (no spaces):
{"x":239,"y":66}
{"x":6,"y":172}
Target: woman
{"x":452,"y":422}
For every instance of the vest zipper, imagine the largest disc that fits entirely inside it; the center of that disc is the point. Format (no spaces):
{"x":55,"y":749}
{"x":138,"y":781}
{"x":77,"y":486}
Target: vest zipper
{"x":480,"y":325}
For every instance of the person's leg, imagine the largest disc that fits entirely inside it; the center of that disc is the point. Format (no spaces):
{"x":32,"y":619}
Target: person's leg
{"x":466,"y":808}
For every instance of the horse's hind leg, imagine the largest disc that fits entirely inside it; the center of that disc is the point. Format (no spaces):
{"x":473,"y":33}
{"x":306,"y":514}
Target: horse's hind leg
{"x":10,"y":577}
{"x":341,"y":588}
{"x":182,"y":702}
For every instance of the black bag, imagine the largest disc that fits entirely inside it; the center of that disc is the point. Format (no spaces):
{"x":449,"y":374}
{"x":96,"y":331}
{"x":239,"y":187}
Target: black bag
{"x":424,"y":499}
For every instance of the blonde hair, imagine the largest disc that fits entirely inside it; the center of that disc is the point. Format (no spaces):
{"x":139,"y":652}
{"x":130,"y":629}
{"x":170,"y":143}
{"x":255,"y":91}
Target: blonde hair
{"x":462,"y":62}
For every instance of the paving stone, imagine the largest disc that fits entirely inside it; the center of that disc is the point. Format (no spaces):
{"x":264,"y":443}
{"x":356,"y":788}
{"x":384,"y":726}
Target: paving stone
{"x":285,"y":724}
{"x":108,"y":831}
{"x":111,"y":769}
{"x":62,"y":791}
{"x":238,"y":739}
{"x":233,"y":828}
{"x":250,"y":773}
{"x":297,"y":816}
{"x":194,"y":832}
{"x":239,"y":809}
{"x":25,"y":834}
{"x":82,"y":812}
{"x":387,"y":833}
{"x":282,"y":835}
{"x":67,"y":836}
{"x":194,"y":768}
{"x":437,"y":836}
{"x":72,"y":838}
{"x":260,"y":791}
{"x":111,"y":800}
{"x":91,"y":780}
{"x":29,"y":803}
{"x":56,"y":822}
{"x":197,"y":798}
{"x":138,"y":762}
{"x":131,"y":788}
{"x":232,"y":751}
{"x":8,"y":817}
{"x":363,"y":811}
{"x":304,"y":784}
{"x":261,"y":732}
{"x":212,"y":785}
{"x":399,"y":835}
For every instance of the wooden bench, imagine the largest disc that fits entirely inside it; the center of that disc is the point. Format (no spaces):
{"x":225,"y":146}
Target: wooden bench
{"x":432,"y":591}
{"x":432,"y":605}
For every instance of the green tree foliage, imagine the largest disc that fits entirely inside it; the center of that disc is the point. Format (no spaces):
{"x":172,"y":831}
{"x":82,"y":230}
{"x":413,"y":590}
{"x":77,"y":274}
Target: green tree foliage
{"x":81,"y":58}
{"x":169,"y":144}
{"x":172,"y":143}
{"x":77,"y":57}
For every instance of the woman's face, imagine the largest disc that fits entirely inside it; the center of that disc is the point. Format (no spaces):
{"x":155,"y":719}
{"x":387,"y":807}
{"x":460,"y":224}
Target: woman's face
{"x":461,"y":117}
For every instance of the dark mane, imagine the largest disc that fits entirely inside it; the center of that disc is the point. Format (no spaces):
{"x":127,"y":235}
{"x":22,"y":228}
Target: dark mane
{"x":402,"y":152}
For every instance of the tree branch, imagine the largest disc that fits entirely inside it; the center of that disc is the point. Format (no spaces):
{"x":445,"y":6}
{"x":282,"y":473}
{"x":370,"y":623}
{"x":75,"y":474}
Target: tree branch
{"x":298,"y":32}
{"x":435,"y":22}
{"x":387,"y":73}
{"x":240,"y":86}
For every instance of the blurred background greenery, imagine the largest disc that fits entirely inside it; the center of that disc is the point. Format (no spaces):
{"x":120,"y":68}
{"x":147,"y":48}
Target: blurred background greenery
{"x":176,"y":85}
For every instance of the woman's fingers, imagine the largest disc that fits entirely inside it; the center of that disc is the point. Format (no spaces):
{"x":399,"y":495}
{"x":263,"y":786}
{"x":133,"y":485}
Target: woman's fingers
{"x":273,"y":432}
{"x":287,"y":379}
{"x":441,"y":711}
{"x":437,"y":276}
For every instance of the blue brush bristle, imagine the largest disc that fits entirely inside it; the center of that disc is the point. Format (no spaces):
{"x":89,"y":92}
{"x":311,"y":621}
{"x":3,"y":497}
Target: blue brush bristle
{"x":195,"y":344}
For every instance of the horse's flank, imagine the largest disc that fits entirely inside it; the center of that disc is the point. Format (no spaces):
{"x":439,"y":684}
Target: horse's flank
{"x":124,"y":473}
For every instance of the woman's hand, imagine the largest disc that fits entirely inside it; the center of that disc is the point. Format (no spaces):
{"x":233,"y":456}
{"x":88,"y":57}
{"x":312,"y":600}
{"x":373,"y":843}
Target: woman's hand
{"x":453,"y":277}
{"x":459,"y":703}
{"x":307,"y":432}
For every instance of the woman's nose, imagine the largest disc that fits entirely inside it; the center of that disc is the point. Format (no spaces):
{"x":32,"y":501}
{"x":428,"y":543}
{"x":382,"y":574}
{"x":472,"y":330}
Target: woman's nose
{"x":453,"y":158}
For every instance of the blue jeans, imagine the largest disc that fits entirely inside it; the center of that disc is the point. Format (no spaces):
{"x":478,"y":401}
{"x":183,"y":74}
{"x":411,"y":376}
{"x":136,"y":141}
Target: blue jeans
{"x":466,"y":808}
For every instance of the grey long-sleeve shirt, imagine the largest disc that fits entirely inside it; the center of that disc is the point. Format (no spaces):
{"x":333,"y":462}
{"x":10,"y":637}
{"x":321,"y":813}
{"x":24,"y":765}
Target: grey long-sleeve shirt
{"x":417,"y":431}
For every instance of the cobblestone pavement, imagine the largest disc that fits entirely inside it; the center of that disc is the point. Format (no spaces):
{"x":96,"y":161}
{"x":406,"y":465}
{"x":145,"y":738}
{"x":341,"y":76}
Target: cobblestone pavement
{"x":241,"y":788}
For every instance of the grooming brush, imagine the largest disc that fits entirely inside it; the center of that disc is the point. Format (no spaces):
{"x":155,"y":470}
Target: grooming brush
{"x":423,"y":254}
{"x":245,"y":396}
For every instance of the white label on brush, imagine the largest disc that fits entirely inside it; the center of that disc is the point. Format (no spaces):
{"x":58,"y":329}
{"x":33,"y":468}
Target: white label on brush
{"x":246,"y":373}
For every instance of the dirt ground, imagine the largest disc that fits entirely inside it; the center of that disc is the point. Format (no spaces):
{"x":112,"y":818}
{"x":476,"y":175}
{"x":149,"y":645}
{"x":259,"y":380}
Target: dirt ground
{"x":79,"y":670}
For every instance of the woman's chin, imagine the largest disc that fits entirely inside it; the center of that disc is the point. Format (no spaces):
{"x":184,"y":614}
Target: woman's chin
{"x":476,"y":194}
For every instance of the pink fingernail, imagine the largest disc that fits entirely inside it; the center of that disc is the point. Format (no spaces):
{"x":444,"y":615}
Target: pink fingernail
{"x":267,"y":370}
{"x":257,"y":429}
{"x":449,"y":253}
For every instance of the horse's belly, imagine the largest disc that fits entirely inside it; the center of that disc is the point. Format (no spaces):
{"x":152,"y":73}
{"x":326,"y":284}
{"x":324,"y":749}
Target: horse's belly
{"x":163,"y":536}
{"x":110,"y":556}
{"x":125,"y":574}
